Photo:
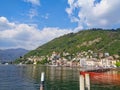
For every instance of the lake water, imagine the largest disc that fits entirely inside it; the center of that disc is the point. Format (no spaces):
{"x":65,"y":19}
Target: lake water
{"x":27,"y":77}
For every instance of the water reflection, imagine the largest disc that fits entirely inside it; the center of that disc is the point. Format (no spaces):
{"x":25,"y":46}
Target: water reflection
{"x":62,"y":78}
{"x":66,"y":78}
{"x":57,"y":78}
{"x":111,"y":78}
{"x":12,"y":77}
{"x":27,"y":77}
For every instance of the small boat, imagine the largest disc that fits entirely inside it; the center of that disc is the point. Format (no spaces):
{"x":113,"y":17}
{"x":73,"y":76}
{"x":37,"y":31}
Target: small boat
{"x":54,"y":65}
{"x":6,"y":63}
{"x":102,"y":76}
{"x":95,"y":71}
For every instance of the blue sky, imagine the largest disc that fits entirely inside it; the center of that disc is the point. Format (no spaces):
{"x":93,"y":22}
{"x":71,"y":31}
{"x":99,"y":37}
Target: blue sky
{"x":45,"y":14}
{"x":31,"y":23}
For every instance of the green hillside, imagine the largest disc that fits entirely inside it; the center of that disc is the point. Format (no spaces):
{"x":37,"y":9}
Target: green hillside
{"x":97,"y":40}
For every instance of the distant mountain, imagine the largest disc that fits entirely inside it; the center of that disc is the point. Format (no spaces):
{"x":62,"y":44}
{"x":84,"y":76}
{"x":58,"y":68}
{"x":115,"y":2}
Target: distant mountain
{"x":11,"y":54}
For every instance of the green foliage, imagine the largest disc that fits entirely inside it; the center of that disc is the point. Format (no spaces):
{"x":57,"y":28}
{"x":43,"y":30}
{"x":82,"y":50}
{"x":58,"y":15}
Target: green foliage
{"x":117,"y":64}
{"x":17,"y":61}
{"x":43,"y":61}
{"x":108,"y":41}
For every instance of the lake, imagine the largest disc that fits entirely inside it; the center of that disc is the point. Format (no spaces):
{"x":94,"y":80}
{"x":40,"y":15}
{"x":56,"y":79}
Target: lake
{"x":27,"y":77}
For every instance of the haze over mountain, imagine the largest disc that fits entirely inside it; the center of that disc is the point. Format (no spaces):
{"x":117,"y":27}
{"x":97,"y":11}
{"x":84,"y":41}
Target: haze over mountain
{"x":11,"y":54}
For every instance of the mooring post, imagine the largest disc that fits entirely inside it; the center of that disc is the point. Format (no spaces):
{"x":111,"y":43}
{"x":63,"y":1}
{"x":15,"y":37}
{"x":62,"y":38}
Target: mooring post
{"x":87,"y":82}
{"x":81,"y":82}
{"x":42,"y":81}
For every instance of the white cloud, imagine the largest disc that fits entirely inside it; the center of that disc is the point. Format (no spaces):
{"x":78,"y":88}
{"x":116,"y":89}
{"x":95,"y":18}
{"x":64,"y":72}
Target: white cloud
{"x":5,"y":24}
{"x":46,"y":16}
{"x":69,"y":10}
{"x":32,"y":13}
{"x":26,"y":36}
{"x":104,"y":14}
{"x":34,"y":2}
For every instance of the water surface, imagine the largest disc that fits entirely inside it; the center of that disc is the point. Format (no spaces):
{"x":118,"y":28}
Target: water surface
{"x":27,"y":77}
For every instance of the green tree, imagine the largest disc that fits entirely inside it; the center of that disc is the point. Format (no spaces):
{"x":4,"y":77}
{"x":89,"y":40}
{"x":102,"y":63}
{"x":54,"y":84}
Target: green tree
{"x":117,"y":64}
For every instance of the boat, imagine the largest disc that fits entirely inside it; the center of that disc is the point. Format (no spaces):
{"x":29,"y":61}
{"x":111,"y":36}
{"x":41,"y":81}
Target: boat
{"x":103,"y":76}
{"x":96,"y":71}
{"x":6,"y":63}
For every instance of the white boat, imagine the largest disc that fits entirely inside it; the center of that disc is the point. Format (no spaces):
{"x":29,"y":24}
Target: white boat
{"x":6,"y":63}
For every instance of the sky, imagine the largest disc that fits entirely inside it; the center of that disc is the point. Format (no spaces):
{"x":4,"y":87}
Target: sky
{"x":31,"y":23}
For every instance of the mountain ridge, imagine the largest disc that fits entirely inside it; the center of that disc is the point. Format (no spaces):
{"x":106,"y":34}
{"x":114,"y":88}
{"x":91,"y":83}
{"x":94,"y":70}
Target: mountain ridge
{"x":97,"y":40}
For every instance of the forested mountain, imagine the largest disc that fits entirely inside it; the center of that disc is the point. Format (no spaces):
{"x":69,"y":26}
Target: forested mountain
{"x":97,"y":40}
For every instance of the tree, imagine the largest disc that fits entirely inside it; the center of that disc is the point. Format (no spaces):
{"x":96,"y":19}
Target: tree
{"x":117,"y":64}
